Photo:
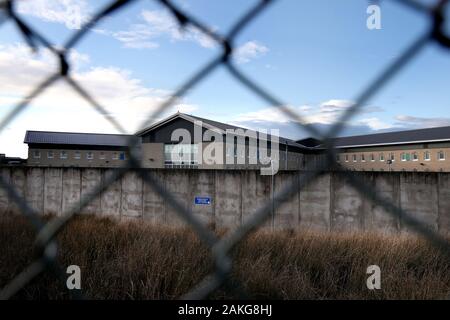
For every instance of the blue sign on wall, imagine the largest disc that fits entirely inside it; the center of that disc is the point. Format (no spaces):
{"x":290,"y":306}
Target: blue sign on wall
{"x":203,"y":200}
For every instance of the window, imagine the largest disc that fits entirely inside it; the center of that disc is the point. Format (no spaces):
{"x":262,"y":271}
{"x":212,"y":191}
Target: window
{"x":89,"y":155}
{"x":415,"y":156}
{"x":392,"y":156}
{"x":381,"y":156}
{"x":363,"y":157}
{"x":77,"y":155}
{"x":354,"y":158}
{"x":63,"y":155}
{"x":102,"y":155}
{"x":115,"y":156}
{"x":36,"y":154}
{"x":122,"y":156}
{"x":372,"y":157}
{"x":427,"y":156}
{"x":406,"y":156}
{"x":50,"y":154}
{"x":338,"y":158}
{"x":346,"y":158}
{"x":441,"y":155}
{"x":180,"y":154}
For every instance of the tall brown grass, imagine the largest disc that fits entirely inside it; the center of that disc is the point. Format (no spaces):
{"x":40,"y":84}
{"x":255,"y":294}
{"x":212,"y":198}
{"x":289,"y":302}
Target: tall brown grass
{"x":138,"y":261}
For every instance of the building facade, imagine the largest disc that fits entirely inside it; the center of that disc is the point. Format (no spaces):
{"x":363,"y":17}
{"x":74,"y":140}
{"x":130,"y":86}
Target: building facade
{"x":189,"y":142}
{"x":179,"y":141}
{"x":411,"y":150}
{"x":69,"y":149}
{"x":186,"y":141}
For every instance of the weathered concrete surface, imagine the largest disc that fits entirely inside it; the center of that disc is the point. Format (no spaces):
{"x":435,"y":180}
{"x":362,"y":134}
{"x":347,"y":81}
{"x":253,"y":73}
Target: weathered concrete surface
{"x":53,"y":191}
{"x":177,"y":185}
{"x":111,"y":198}
{"x":256,"y":191}
{"x":201,"y":184}
{"x":287,"y":215}
{"x":4,"y":199}
{"x":154,"y":204}
{"x":71,"y":195}
{"x":419,"y":197}
{"x":18,"y":182}
{"x":376,"y":217}
{"x":347,"y":205}
{"x":34,"y":191}
{"x":327,"y":203}
{"x":228,"y":198}
{"x":90,"y":179}
{"x":444,"y":203}
{"x":132,"y":199}
{"x":315,"y":204}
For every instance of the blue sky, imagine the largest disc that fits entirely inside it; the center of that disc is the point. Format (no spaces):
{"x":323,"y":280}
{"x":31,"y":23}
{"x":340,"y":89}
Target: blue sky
{"x":316,"y":56}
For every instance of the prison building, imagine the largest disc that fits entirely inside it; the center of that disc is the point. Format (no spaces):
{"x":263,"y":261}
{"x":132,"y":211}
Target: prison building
{"x":412,"y":150}
{"x":163,"y":146}
{"x":71,"y":149}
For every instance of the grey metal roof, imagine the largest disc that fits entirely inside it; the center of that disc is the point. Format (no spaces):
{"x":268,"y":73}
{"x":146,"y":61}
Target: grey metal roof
{"x":397,"y":137}
{"x":75,"y":138}
{"x":225,"y":126}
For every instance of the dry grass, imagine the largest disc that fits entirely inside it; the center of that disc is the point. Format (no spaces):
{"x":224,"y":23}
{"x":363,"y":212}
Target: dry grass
{"x":136,"y":261}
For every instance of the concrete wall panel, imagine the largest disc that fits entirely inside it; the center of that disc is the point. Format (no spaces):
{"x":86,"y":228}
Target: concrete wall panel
{"x":53,"y":191}
{"x":419,"y":197}
{"x":154,"y":203}
{"x":111,"y":197}
{"x":90,"y":179}
{"x":202,"y":185}
{"x":4,"y":199}
{"x":256,"y":191}
{"x":18,"y":182}
{"x":34,"y":191}
{"x":315,"y":204}
{"x":444,"y":203}
{"x":71,"y":189}
{"x":287,"y":213}
{"x":347,"y":205}
{"x":177,"y":184}
{"x":132,"y":200}
{"x":387,"y":186}
{"x":229,"y":199}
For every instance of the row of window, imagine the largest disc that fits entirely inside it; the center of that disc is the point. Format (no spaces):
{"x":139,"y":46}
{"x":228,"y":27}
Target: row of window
{"x":404,"y":156}
{"x":77,"y":155}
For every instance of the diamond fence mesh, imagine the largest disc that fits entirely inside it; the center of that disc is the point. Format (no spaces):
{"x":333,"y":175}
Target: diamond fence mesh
{"x":220,"y":247}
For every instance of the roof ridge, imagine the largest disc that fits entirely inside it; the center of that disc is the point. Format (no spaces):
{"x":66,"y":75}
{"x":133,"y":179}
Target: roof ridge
{"x":392,"y":132}
{"x":90,"y":133}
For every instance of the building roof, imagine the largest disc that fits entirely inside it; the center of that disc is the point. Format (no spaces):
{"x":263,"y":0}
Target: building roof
{"x":310,"y":142}
{"x":210,"y":124}
{"x":75,"y":138}
{"x":428,"y":135}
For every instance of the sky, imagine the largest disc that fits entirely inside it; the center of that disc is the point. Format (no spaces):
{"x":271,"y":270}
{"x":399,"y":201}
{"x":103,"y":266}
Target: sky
{"x":315,"y":55}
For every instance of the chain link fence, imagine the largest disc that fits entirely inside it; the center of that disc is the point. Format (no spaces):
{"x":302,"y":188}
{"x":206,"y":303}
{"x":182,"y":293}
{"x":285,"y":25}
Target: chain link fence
{"x":220,"y":247}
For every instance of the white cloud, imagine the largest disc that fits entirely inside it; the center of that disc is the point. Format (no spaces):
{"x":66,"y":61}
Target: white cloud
{"x":325,"y":113}
{"x":59,"y":108}
{"x":421,"y":122}
{"x":249,"y":51}
{"x":137,"y":37}
{"x":156,"y":24}
{"x":375,"y":124}
{"x":71,"y":13}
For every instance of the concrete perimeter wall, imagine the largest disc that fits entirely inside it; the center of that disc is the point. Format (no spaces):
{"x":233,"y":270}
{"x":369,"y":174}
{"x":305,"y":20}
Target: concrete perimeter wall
{"x":328,"y":203}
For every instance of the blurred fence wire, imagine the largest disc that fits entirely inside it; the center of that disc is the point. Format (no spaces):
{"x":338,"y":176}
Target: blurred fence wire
{"x":220,"y":247}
